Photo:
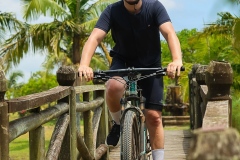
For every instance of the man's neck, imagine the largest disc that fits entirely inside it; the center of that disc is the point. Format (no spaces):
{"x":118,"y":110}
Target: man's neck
{"x":134,"y":9}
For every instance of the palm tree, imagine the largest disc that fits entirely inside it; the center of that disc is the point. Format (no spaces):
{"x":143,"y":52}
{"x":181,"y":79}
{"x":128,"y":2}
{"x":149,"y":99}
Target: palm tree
{"x":12,"y":83}
{"x":72,"y":23}
{"x":8,"y":22}
{"x":224,"y":33}
{"x":8,"y":25}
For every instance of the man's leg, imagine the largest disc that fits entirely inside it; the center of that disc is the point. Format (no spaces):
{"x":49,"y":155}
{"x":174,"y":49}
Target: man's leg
{"x":114,"y":92}
{"x":156,"y":133}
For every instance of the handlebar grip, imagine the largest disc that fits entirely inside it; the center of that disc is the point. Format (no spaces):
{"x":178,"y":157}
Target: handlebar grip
{"x":181,"y":69}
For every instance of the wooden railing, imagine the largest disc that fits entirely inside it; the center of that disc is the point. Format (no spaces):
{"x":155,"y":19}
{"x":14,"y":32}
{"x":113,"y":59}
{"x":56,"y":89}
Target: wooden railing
{"x":210,"y":101}
{"x":211,"y":113}
{"x":210,"y":116}
{"x":66,"y":137}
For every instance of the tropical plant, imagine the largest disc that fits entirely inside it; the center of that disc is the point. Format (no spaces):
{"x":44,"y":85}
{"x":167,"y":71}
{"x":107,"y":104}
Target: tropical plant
{"x":37,"y":83}
{"x":226,"y":28}
{"x":8,"y":25}
{"x":72,"y":23}
{"x":13,"y":84}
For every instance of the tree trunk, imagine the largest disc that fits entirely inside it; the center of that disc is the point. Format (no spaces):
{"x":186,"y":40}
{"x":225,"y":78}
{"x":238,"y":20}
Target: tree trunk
{"x":76,"y":49}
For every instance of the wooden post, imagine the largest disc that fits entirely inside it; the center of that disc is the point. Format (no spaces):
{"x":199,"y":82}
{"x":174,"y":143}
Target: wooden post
{"x":37,"y":141}
{"x":78,"y":82}
{"x":103,"y":125}
{"x":66,"y":77}
{"x":195,"y":110}
{"x":214,"y":144}
{"x":4,"y":120}
{"x":88,"y":131}
{"x":73,"y":125}
{"x":190,"y":95}
{"x":219,"y":78}
{"x":200,"y":78}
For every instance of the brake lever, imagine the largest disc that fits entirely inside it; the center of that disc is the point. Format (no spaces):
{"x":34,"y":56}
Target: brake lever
{"x":101,"y":76}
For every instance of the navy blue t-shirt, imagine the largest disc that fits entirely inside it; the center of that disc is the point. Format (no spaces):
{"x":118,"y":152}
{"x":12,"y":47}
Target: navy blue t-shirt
{"x":136,"y":36}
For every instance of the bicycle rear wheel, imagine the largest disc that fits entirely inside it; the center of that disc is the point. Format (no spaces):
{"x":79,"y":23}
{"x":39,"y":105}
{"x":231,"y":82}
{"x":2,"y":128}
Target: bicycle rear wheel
{"x":130,"y":138}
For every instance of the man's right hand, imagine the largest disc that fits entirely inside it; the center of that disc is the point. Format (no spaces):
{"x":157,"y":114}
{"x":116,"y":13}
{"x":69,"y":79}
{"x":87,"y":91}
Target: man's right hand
{"x":86,"y":72}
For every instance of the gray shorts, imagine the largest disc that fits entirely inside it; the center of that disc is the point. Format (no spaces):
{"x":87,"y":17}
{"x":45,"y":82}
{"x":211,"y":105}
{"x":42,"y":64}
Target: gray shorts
{"x":152,"y":87}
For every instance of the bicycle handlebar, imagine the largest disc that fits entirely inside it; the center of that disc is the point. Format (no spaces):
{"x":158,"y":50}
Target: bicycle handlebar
{"x":105,"y":75}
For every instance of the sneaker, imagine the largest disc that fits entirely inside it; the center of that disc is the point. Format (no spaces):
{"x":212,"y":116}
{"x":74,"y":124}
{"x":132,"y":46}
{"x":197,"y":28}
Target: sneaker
{"x":114,"y":135}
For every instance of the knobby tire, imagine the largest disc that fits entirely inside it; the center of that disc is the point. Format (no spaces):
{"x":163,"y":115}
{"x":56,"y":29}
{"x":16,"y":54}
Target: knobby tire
{"x":130,"y":138}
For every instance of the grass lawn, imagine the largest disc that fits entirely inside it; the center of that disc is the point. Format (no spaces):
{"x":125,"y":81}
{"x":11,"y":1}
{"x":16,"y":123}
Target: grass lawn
{"x":183,"y":127}
{"x":19,"y":148}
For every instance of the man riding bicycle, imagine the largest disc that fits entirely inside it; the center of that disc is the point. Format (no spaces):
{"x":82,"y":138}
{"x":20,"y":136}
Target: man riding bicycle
{"x":135,"y":26}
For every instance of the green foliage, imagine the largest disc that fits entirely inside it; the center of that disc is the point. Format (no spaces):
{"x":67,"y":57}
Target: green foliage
{"x":235,"y":110}
{"x":72,"y":23}
{"x":99,"y":61}
{"x":12,"y":83}
{"x":236,"y":36}
{"x":189,"y":45}
{"x":37,"y":83}
{"x":8,"y":22}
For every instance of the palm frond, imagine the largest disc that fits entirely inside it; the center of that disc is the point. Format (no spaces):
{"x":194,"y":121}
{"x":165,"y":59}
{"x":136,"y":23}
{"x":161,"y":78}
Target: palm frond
{"x":98,"y":62}
{"x":222,"y":26}
{"x":9,"y":21}
{"x":8,"y":24}
{"x":13,"y":78}
{"x":33,"y":9}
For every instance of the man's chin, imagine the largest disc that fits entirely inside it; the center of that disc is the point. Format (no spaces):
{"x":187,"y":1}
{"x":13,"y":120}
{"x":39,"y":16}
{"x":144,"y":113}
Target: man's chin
{"x":132,"y":2}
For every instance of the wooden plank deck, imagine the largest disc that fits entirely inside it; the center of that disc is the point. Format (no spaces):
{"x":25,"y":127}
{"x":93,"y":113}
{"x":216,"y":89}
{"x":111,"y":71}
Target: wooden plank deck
{"x":176,"y":145}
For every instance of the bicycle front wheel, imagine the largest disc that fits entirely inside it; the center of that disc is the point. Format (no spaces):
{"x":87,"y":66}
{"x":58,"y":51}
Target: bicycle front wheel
{"x":130,"y":138}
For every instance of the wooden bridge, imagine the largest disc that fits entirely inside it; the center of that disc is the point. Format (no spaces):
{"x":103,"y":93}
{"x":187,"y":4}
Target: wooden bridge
{"x":209,"y":136}
{"x":176,"y":145}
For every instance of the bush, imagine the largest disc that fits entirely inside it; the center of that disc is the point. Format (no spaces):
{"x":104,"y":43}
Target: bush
{"x":236,"y":111}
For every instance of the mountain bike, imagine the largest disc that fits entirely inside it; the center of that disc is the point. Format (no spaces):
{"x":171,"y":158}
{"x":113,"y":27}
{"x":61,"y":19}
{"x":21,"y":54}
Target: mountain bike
{"x":135,"y":143}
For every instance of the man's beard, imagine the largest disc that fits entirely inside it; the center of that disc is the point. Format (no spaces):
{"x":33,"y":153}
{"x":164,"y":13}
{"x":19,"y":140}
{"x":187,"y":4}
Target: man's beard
{"x":132,"y":2}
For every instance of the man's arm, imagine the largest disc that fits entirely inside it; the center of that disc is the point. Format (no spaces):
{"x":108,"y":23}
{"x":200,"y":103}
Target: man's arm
{"x":169,"y":34}
{"x":89,"y":48}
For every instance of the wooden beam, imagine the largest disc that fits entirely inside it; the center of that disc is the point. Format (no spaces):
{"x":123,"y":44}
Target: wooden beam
{"x":25,"y":124}
{"x":91,"y":105}
{"x":57,"y":137}
{"x":38,"y":99}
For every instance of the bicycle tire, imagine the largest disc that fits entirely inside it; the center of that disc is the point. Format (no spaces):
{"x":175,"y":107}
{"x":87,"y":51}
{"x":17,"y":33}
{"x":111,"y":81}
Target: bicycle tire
{"x":130,"y":139}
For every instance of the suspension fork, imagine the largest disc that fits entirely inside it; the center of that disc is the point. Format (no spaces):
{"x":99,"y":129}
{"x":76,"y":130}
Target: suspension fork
{"x":143,"y":126}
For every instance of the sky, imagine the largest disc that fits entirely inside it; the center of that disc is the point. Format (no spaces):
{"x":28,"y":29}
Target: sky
{"x":184,"y":14}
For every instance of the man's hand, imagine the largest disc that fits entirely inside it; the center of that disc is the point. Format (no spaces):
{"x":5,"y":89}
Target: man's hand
{"x":174,"y":67}
{"x":86,"y":72}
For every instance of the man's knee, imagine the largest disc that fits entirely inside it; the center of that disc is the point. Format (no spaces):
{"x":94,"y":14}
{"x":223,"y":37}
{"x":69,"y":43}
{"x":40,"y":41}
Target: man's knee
{"x":114,"y":86}
{"x":153,"y":118}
